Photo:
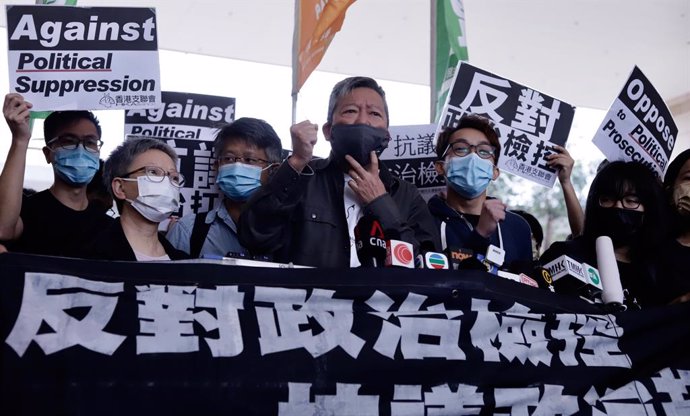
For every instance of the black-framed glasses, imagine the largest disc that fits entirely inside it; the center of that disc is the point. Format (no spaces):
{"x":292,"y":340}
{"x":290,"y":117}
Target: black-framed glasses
{"x":70,"y":142}
{"x":224,"y":160}
{"x":628,"y":201}
{"x":461,"y":148}
{"x":156,"y":174}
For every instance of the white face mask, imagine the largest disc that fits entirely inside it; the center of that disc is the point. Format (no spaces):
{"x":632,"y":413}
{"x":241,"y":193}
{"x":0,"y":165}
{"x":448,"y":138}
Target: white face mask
{"x":156,"y":200}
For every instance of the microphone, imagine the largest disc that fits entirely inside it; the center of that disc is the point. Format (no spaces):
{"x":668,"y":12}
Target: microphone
{"x":399,"y":254}
{"x":456,"y":255}
{"x":610,"y":277}
{"x":534,"y":270}
{"x":370,"y":242}
{"x":573,"y":277}
{"x":433,"y":260}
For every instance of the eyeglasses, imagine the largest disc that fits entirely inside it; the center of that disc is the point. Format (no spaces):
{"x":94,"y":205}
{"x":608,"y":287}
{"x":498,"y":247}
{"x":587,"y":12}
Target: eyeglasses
{"x":70,"y":142}
{"x":628,"y":201}
{"x":462,"y":149}
{"x":156,"y":174}
{"x":224,"y":160}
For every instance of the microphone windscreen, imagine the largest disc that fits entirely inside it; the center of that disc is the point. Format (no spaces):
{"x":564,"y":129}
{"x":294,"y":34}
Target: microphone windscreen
{"x":608,"y":270}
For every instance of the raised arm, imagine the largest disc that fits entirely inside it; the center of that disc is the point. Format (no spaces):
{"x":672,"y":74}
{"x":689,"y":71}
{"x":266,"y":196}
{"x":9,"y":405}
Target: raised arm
{"x":16,"y":112}
{"x":564,"y":163}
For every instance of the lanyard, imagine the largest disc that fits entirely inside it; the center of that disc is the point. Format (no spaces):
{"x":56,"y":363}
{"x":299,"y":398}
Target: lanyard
{"x":444,"y":242}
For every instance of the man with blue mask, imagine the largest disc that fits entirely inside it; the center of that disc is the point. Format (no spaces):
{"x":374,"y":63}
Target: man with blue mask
{"x":467,"y":218}
{"x":59,"y":220}
{"x":246,"y":151}
{"x":308,"y":211}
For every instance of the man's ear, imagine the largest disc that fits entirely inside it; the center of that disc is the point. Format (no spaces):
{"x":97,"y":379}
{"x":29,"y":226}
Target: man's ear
{"x":46,"y":153}
{"x":440,"y":168}
{"x":326,"y":130}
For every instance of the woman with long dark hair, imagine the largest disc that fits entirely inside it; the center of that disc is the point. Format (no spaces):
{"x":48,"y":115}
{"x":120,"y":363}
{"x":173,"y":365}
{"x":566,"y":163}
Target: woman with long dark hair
{"x":626,"y":203}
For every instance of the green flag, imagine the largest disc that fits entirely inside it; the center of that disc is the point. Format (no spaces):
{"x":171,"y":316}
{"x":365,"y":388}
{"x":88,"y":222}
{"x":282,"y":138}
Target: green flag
{"x":448,"y":20}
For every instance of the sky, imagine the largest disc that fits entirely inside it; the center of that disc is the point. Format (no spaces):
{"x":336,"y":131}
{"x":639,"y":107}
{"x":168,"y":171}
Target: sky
{"x":263,"y":91}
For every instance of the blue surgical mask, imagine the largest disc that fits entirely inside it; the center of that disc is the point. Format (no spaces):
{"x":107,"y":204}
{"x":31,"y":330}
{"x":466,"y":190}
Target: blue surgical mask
{"x":470,"y":175}
{"x":238,"y":181}
{"x":75,"y":166}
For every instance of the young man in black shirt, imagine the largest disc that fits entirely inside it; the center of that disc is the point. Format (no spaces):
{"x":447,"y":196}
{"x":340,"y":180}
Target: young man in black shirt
{"x":59,"y":220}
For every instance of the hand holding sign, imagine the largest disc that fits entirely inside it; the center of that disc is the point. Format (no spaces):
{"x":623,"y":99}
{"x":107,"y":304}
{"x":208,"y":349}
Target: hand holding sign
{"x":562,"y":161}
{"x":17,"y":111}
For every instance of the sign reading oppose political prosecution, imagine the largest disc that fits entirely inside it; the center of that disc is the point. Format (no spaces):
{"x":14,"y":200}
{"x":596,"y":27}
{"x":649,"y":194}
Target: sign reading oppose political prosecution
{"x":89,"y":337}
{"x":182,"y":115}
{"x":638,"y":126}
{"x":410,"y":155}
{"x":528,"y":121}
{"x":74,"y":58}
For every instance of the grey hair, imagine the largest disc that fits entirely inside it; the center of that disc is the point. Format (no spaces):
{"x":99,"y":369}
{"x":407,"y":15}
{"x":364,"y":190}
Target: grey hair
{"x":346,"y":86}
{"x":122,"y":157}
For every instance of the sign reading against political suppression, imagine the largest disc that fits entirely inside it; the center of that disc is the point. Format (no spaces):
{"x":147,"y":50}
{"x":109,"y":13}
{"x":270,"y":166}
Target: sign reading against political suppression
{"x":207,"y":338}
{"x":410,"y":155}
{"x":182,"y":115}
{"x":528,"y":121}
{"x":638,"y":126}
{"x":74,"y":58}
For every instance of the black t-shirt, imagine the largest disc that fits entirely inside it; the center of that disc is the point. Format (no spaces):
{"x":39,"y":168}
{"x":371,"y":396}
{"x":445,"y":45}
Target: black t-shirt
{"x":674,"y":278}
{"x":51,"y":228}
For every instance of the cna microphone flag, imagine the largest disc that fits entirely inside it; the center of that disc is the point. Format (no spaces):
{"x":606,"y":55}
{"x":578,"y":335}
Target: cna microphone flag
{"x":316,"y":23}
{"x":449,"y":46}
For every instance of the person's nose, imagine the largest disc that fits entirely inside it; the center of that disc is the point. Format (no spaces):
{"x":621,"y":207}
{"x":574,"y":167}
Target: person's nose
{"x":363,"y":118}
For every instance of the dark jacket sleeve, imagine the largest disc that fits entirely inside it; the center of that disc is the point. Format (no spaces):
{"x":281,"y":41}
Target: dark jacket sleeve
{"x":409,"y":218}
{"x":264,"y":225}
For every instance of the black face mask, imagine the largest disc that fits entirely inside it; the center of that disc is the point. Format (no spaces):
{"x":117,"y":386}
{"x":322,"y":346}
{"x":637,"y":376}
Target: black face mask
{"x":357,"y":140}
{"x":622,"y":225}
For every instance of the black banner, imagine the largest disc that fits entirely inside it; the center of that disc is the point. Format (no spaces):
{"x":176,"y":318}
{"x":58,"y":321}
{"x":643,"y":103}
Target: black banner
{"x":85,"y":337}
{"x":182,"y":109}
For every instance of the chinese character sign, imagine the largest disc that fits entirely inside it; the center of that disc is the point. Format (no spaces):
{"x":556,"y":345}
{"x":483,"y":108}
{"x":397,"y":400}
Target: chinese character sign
{"x":74,"y":58}
{"x":527,"y":120}
{"x":410,"y":155}
{"x":638,"y":126}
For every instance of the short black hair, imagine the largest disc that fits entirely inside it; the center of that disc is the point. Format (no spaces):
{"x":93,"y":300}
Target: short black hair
{"x":253,"y":131}
{"x":674,"y":168}
{"x":470,"y":121}
{"x":59,"y":119}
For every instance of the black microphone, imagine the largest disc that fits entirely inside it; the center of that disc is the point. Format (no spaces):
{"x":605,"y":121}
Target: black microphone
{"x":370,"y":242}
{"x":535,"y":271}
{"x":456,"y":255}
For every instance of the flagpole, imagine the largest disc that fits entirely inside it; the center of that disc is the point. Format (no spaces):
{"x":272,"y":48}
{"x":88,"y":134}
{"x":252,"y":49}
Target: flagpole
{"x":295,"y":60}
{"x":433,"y":63}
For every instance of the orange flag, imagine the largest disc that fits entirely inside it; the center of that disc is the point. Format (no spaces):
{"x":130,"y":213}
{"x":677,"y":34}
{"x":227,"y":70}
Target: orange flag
{"x":316,"y":23}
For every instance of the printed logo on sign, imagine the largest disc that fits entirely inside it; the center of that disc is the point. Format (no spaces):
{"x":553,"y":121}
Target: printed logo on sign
{"x":546,"y":276}
{"x":593,"y":275}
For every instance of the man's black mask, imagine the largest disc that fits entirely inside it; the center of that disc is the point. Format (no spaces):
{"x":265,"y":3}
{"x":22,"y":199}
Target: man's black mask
{"x":357,"y":140}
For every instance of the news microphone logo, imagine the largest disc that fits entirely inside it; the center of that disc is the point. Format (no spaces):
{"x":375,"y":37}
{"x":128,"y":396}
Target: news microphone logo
{"x":435,"y":260}
{"x":399,"y":253}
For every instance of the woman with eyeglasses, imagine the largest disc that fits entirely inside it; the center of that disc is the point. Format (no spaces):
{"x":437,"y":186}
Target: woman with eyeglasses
{"x":142,"y":176}
{"x":467,"y":218}
{"x":625,"y":202}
